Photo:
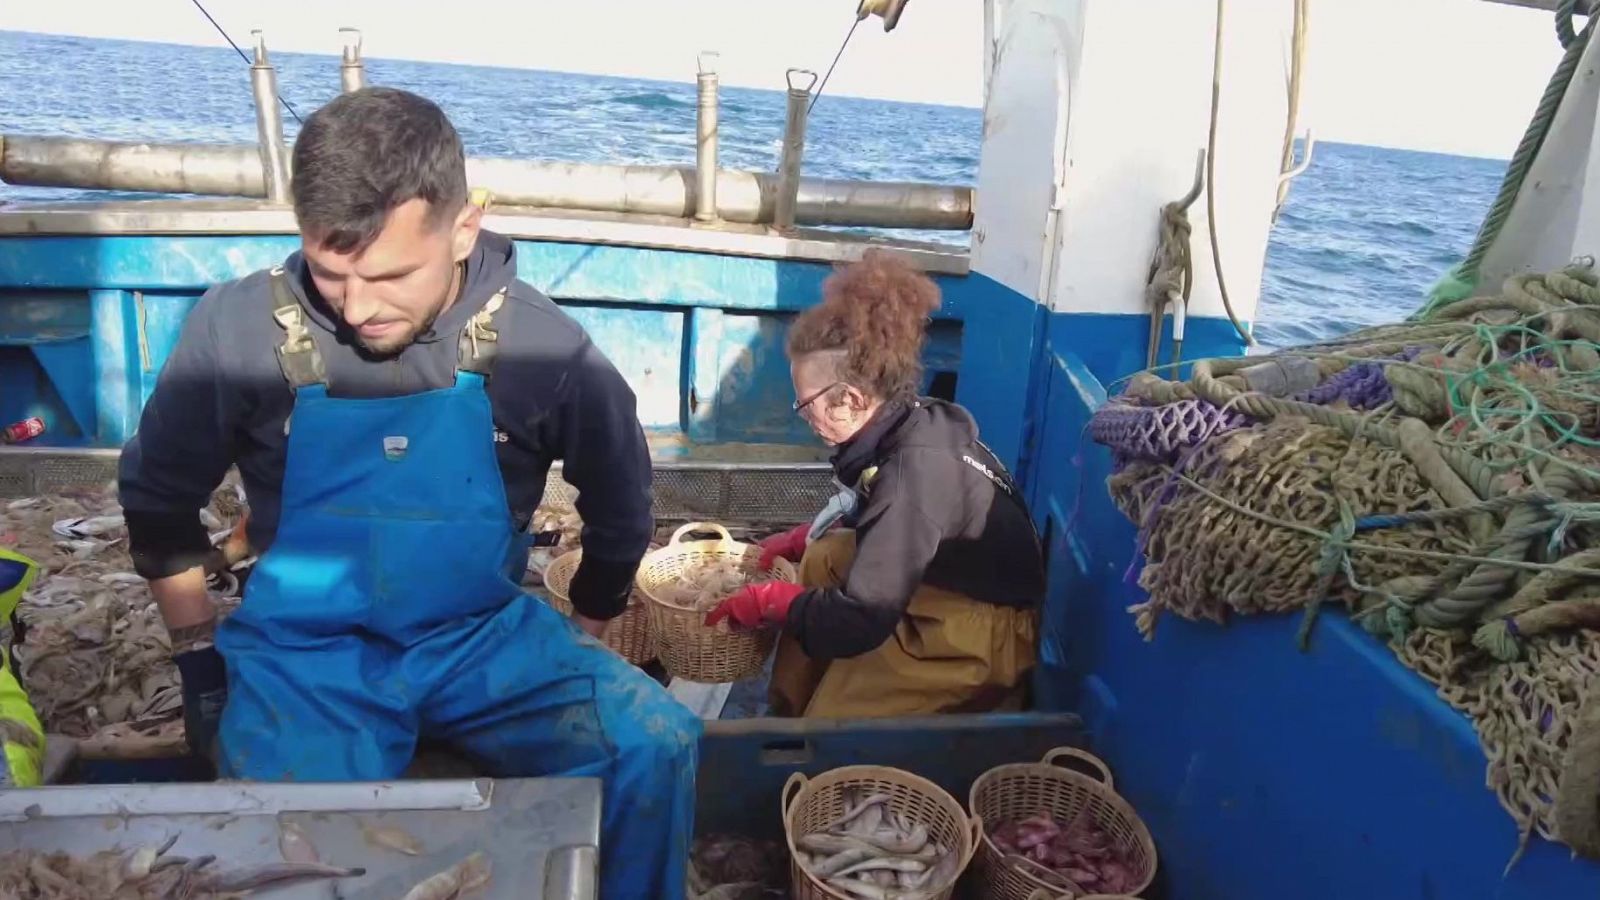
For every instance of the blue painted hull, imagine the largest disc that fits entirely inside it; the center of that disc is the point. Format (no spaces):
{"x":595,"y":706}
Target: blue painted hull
{"x":1262,"y":771}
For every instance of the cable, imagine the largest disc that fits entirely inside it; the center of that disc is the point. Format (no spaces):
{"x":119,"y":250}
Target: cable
{"x":818,"y":94}
{"x":247,"y":59}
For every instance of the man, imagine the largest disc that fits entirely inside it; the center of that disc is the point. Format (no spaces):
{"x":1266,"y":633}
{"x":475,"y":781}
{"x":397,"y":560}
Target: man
{"x":393,"y":398}
{"x":21,"y":737}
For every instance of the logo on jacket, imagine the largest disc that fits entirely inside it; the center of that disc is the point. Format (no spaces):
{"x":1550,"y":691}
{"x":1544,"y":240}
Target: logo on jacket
{"x":394,"y":447}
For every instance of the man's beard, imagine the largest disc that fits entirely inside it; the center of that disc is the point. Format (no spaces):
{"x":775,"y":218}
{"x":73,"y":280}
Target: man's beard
{"x":391,"y":347}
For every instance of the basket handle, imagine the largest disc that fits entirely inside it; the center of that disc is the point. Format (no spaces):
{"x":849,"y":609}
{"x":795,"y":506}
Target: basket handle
{"x":677,"y":536}
{"x":976,"y":825}
{"x":791,"y":789}
{"x":1054,"y":757}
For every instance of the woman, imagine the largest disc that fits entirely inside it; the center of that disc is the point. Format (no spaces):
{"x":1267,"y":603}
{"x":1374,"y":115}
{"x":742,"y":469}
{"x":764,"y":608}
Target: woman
{"x":926,"y":601}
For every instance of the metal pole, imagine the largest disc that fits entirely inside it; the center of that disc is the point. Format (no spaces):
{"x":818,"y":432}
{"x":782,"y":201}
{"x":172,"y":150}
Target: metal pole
{"x":742,"y":197}
{"x":352,"y":72}
{"x":269,"y":123}
{"x":794,"y":148}
{"x":705,"y":157}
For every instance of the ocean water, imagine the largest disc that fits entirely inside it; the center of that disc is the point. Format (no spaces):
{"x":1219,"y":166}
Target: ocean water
{"x":1365,"y":233}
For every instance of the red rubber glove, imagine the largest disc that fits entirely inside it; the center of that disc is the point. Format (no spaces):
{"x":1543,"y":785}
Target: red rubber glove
{"x":790,"y":545}
{"x":757,"y":606}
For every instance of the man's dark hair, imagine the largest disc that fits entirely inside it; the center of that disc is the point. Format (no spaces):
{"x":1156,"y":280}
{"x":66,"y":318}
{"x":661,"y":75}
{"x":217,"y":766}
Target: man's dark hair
{"x":367,"y":152}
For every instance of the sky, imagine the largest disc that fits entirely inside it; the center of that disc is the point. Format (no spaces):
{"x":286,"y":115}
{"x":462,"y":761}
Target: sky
{"x":1456,"y":76}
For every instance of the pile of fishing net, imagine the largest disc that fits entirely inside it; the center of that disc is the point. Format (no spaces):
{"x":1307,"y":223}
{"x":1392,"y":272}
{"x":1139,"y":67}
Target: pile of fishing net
{"x":93,"y":654}
{"x":1439,"y":478}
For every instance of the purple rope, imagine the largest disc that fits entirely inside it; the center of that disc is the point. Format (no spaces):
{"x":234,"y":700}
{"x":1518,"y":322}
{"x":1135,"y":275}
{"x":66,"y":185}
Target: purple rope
{"x":1159,"y":433}
{"x":1361,"y":386}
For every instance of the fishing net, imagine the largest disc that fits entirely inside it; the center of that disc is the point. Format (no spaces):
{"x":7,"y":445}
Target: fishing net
{"x":1437,"y":479}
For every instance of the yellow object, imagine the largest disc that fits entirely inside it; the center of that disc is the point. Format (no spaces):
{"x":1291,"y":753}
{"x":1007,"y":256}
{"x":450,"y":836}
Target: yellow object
{"x":21,"y":736}
{"x":480,"y":197}
{"x":948,"y":654}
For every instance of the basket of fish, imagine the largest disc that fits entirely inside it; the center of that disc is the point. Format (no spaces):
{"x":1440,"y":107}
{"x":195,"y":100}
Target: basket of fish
{"x":629,"y":634}
{"x":875,"y":833}
{"x":686,"y":579}
{"x":1055,"y":829}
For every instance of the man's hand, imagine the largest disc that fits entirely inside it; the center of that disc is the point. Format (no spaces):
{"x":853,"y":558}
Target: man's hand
{"x":593,"y":627}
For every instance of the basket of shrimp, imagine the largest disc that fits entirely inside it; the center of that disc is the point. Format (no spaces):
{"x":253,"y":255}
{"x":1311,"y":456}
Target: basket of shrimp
{"x":874,"y":832}
{"x":629,"y":634}
{"x":686,"y":579}
{"x":1054,"y":829}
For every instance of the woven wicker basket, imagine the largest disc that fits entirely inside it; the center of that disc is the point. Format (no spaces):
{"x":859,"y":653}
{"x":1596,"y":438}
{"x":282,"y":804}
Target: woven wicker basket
{"x":1019,"y":790}
{"x":689,"y":648}
{"x":810,"y":804}
{"x":629,"y":634}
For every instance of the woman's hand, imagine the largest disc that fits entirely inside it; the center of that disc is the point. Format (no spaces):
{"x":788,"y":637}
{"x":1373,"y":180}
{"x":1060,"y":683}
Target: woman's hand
{"x":757,"y":606}
{"x":790,"y":545}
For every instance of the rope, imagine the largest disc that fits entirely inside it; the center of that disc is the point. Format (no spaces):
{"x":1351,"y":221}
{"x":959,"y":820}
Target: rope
{"x":1465,"y":273}
{"x":1211,"y":181}
{"x":1577,"y":802}
{"x":1286,"y":167}
{"x":1439,"y":479}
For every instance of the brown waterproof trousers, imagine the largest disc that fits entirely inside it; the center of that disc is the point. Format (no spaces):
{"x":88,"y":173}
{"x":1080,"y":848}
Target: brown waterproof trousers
{"x":948,"y":654}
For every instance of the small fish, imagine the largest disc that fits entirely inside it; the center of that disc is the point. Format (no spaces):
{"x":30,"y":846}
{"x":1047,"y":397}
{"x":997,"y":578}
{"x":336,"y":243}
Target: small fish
{"x":386,"y":838}
{"x":88,"y":526}
{"x":897,"y":842}
{"x":839,"y":861}
{"x":295,"y":844}
{"x":245,"y":880}
{"x":851,"y":813}
{"x":467,"y":875}
{"x":887,"y":864}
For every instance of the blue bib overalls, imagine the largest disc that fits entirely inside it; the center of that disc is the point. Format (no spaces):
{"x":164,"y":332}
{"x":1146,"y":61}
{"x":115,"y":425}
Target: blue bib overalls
{"x":385,"y":609}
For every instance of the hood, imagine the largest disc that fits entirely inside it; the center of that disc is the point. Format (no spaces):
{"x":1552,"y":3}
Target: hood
{"x":491,"y":265}
{"x":898,"y":424}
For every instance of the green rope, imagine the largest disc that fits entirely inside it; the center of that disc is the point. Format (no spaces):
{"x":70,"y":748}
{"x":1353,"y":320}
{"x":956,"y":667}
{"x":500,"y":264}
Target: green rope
{"x":1462,"y":279}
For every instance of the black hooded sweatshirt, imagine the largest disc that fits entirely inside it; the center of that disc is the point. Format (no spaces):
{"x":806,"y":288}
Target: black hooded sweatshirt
{"x":939,"y":510}
{"x":222,"y":400}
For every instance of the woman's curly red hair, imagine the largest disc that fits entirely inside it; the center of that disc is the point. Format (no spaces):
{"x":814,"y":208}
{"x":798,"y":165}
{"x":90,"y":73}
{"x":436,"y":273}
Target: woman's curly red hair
{"x":875,"y":314}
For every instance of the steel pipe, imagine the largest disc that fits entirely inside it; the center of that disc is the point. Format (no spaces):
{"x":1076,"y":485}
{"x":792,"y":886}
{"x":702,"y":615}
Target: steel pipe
{"x":786,"y":213}
{"x":269,"y":123}
{"x":705,"y":156}
{"x":235,"y":170}
{"x":352,"y":71}
{"x":229,"y":170}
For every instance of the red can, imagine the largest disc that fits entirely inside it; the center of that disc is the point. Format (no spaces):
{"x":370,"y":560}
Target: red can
{"x":26,"y":430}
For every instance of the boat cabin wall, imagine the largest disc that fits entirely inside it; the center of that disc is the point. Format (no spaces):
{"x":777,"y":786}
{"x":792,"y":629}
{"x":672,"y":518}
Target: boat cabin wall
{"x":1095,"y":115}
{"x":86,"y":323}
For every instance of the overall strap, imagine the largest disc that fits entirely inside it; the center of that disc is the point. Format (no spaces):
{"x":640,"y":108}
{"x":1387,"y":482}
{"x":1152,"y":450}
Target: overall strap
{"x":298,"y":356}
{"x":480,"y":337}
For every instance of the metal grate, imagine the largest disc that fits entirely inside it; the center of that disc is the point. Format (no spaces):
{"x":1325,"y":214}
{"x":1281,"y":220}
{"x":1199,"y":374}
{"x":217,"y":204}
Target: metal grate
{"x":754,"y":493}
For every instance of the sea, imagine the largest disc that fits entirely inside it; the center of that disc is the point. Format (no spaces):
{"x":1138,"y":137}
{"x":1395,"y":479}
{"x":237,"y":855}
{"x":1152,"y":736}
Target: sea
{"x":1364,"y":235}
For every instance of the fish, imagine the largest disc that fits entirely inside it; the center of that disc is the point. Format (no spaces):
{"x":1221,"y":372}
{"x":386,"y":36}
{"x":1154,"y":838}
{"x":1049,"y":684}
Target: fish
{"x":255,"y":877}
{"x":295,"y":844}
{"x":885,"y":863}
{"x":838,"y":861}
{"x":389,"y":838}
{"x":851,"y":813}
{"x":468,"y":875}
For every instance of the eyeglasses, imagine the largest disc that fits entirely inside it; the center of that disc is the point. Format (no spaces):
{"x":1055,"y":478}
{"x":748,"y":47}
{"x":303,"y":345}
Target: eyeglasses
{"x":800,"y":405}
